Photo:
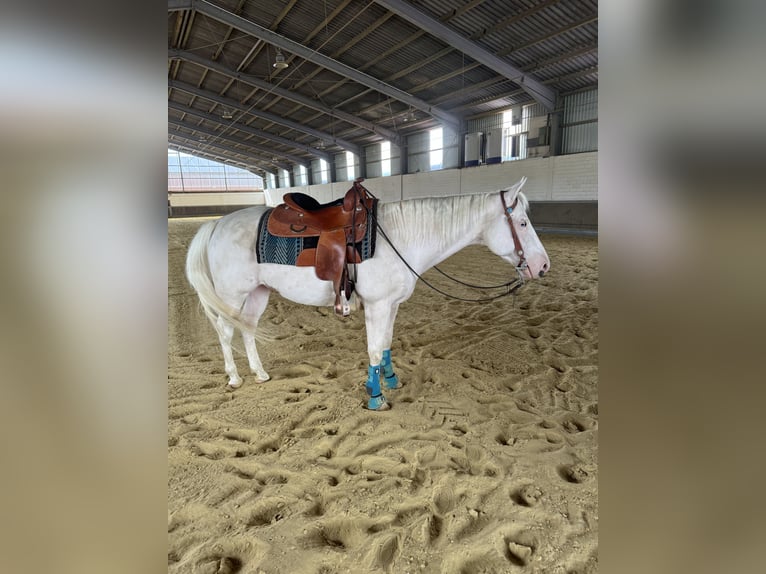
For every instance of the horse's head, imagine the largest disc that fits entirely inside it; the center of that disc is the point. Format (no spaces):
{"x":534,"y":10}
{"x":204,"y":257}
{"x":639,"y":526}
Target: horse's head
{"x":511,"y":235}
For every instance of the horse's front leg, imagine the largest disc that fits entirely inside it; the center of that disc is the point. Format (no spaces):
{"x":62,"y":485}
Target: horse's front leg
{"x":379,"y":319}
{"x":391,"y":380}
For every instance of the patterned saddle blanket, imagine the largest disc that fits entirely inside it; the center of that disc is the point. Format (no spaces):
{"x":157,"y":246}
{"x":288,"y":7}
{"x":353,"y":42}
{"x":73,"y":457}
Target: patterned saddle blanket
{"x":285,"y":250}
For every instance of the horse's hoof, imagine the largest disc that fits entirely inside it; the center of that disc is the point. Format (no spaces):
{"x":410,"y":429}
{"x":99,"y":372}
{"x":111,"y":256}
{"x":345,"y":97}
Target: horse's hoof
{"x":233,"y":386}
{"x":378,"y":403}
{"x":261,"y":380}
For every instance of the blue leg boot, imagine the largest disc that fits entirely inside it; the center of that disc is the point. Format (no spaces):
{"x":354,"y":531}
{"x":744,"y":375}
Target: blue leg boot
{"x":377,"y":401}
{"x":391,"y":380}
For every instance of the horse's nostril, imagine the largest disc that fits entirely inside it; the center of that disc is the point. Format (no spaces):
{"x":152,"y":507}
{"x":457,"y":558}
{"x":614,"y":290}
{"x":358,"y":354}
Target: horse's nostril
{"x":541,"y":273}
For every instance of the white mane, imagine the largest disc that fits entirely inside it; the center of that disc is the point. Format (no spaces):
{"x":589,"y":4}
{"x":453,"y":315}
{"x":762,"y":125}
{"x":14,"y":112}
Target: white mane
{"x":445,"y":218}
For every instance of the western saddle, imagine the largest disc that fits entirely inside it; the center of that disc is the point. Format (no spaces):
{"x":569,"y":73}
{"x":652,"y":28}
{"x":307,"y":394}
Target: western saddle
{"x":338,"y":225}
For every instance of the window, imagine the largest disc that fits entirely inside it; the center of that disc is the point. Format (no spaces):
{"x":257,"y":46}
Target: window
{"x":285,"y":177}
{"x":188,"y":172}
{"x":515,"y":130}
{"x":175,"y":180}
{"x":385,"y":158}
{"x":302,"y":176}
{"x":436,"y":148}
{"x":324,"y":171}
{"x":350,"y":171}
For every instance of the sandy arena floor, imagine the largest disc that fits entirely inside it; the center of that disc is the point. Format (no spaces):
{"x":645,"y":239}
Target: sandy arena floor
{"x":487,"y":462}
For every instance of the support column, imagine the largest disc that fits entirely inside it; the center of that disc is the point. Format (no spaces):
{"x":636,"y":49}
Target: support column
{"x":362,"y":162}
{"x":554,"y":127}
{"x":331,"y":167}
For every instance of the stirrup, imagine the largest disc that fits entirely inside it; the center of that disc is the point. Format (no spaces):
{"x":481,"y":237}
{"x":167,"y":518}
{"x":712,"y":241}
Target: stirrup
{"x":342,"y":306}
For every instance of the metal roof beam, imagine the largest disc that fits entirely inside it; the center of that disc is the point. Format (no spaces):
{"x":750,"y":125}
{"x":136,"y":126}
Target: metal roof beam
{"x":287,"y":94}
{"x":540,"y":92}
{"x":268,"y":116}
{"x":314,"y":56}
{"x":176,"y":5}
{"x":228,"y":138}
{"x":253,"y":131}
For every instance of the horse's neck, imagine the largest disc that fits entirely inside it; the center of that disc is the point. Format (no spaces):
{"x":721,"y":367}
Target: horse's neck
{"x":428,"y":231}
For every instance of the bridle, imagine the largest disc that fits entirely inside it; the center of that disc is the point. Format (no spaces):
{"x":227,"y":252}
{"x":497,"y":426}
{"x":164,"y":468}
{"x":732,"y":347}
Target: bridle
{"x":510,"y":287}
{"x":516,"y":242}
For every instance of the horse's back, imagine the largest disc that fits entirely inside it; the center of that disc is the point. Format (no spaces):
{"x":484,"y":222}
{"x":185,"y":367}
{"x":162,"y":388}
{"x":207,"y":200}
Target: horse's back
{"x":239,"y":228}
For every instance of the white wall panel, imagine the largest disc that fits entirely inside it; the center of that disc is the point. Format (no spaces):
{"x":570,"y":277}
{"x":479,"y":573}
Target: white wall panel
{"x":323,"y":193}
{"x":491,"y":178}
{"x":273,"y":195}
{"x":575,"y":177}
{"x":215,"y":198}
{"x":558,"y":178}
{"x":431,"y":184}
{"x":386,"y":189}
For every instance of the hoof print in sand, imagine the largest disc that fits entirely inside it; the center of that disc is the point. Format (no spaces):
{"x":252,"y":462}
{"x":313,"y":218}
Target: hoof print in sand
{"x":528,"y":495}
{"x":574,"y":473}
{"x":519,"y":549}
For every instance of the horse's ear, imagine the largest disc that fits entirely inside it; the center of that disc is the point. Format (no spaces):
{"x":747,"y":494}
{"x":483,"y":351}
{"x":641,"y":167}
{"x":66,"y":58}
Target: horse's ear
{"x":513,"y":191}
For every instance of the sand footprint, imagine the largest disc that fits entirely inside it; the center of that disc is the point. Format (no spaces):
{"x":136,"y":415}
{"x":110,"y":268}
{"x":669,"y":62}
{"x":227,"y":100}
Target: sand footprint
{"x":528,"y":495}
{"x":266,"y":512}
{"x":384,"y":551}
{"x":574,"y":473}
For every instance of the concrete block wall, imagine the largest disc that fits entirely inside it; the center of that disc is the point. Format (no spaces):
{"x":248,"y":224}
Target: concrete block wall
{"x":558,"y":178}
{"x":212,"y":203}
{"x":575,"y":177}
{"x":563,"y":190}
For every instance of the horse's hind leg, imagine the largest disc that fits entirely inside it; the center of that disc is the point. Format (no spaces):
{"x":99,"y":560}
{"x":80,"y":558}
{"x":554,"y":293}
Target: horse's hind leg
{"x":225,"y":333}
{"x":254,"y":307}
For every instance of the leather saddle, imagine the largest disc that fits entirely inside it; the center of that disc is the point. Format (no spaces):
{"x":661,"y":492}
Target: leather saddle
{"x":338,"y":225}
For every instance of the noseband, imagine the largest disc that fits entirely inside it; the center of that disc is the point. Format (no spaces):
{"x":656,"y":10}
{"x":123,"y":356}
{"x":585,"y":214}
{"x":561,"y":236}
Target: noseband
{"x":516,"y":242}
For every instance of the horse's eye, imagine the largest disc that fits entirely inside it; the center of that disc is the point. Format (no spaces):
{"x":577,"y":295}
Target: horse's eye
{"x":523,"y":223}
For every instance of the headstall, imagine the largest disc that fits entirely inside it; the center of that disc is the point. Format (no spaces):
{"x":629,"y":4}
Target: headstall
{"x":516,"y":242}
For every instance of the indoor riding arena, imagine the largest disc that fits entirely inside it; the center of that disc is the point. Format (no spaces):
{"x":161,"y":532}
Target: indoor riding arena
{"x":487,"y":459}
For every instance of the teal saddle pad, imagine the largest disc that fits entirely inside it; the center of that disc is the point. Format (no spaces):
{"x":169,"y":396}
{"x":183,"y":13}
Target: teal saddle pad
{"x":285,"y":250}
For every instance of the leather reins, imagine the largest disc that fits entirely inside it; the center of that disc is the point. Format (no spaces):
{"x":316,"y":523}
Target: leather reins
{"x":516,"y":242}
{"x":510,"y":286}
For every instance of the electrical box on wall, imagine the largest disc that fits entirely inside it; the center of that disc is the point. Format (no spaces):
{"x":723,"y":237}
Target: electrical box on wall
{"x":494,"y":152}
{"x":472,"y":149}
{"x":538,"y":142}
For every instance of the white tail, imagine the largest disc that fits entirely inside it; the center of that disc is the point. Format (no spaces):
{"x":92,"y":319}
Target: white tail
{"x":198,"y":274}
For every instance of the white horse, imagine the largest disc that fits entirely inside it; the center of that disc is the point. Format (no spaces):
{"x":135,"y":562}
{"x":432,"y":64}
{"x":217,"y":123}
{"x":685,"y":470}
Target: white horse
{"x":234,"y":288}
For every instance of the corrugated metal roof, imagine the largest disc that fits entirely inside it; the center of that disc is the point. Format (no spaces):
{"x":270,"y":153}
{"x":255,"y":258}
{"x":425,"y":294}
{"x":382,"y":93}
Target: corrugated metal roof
{"x":552,"y":41}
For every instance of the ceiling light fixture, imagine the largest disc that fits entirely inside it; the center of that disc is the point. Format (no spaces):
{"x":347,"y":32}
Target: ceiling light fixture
{"x":227,"y":114}
{"x":279,"y":60}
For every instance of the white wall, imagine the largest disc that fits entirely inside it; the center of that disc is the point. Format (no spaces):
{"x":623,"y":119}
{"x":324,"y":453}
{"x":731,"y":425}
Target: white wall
{"x":558,"y":178}
{"x":217,"y":198}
